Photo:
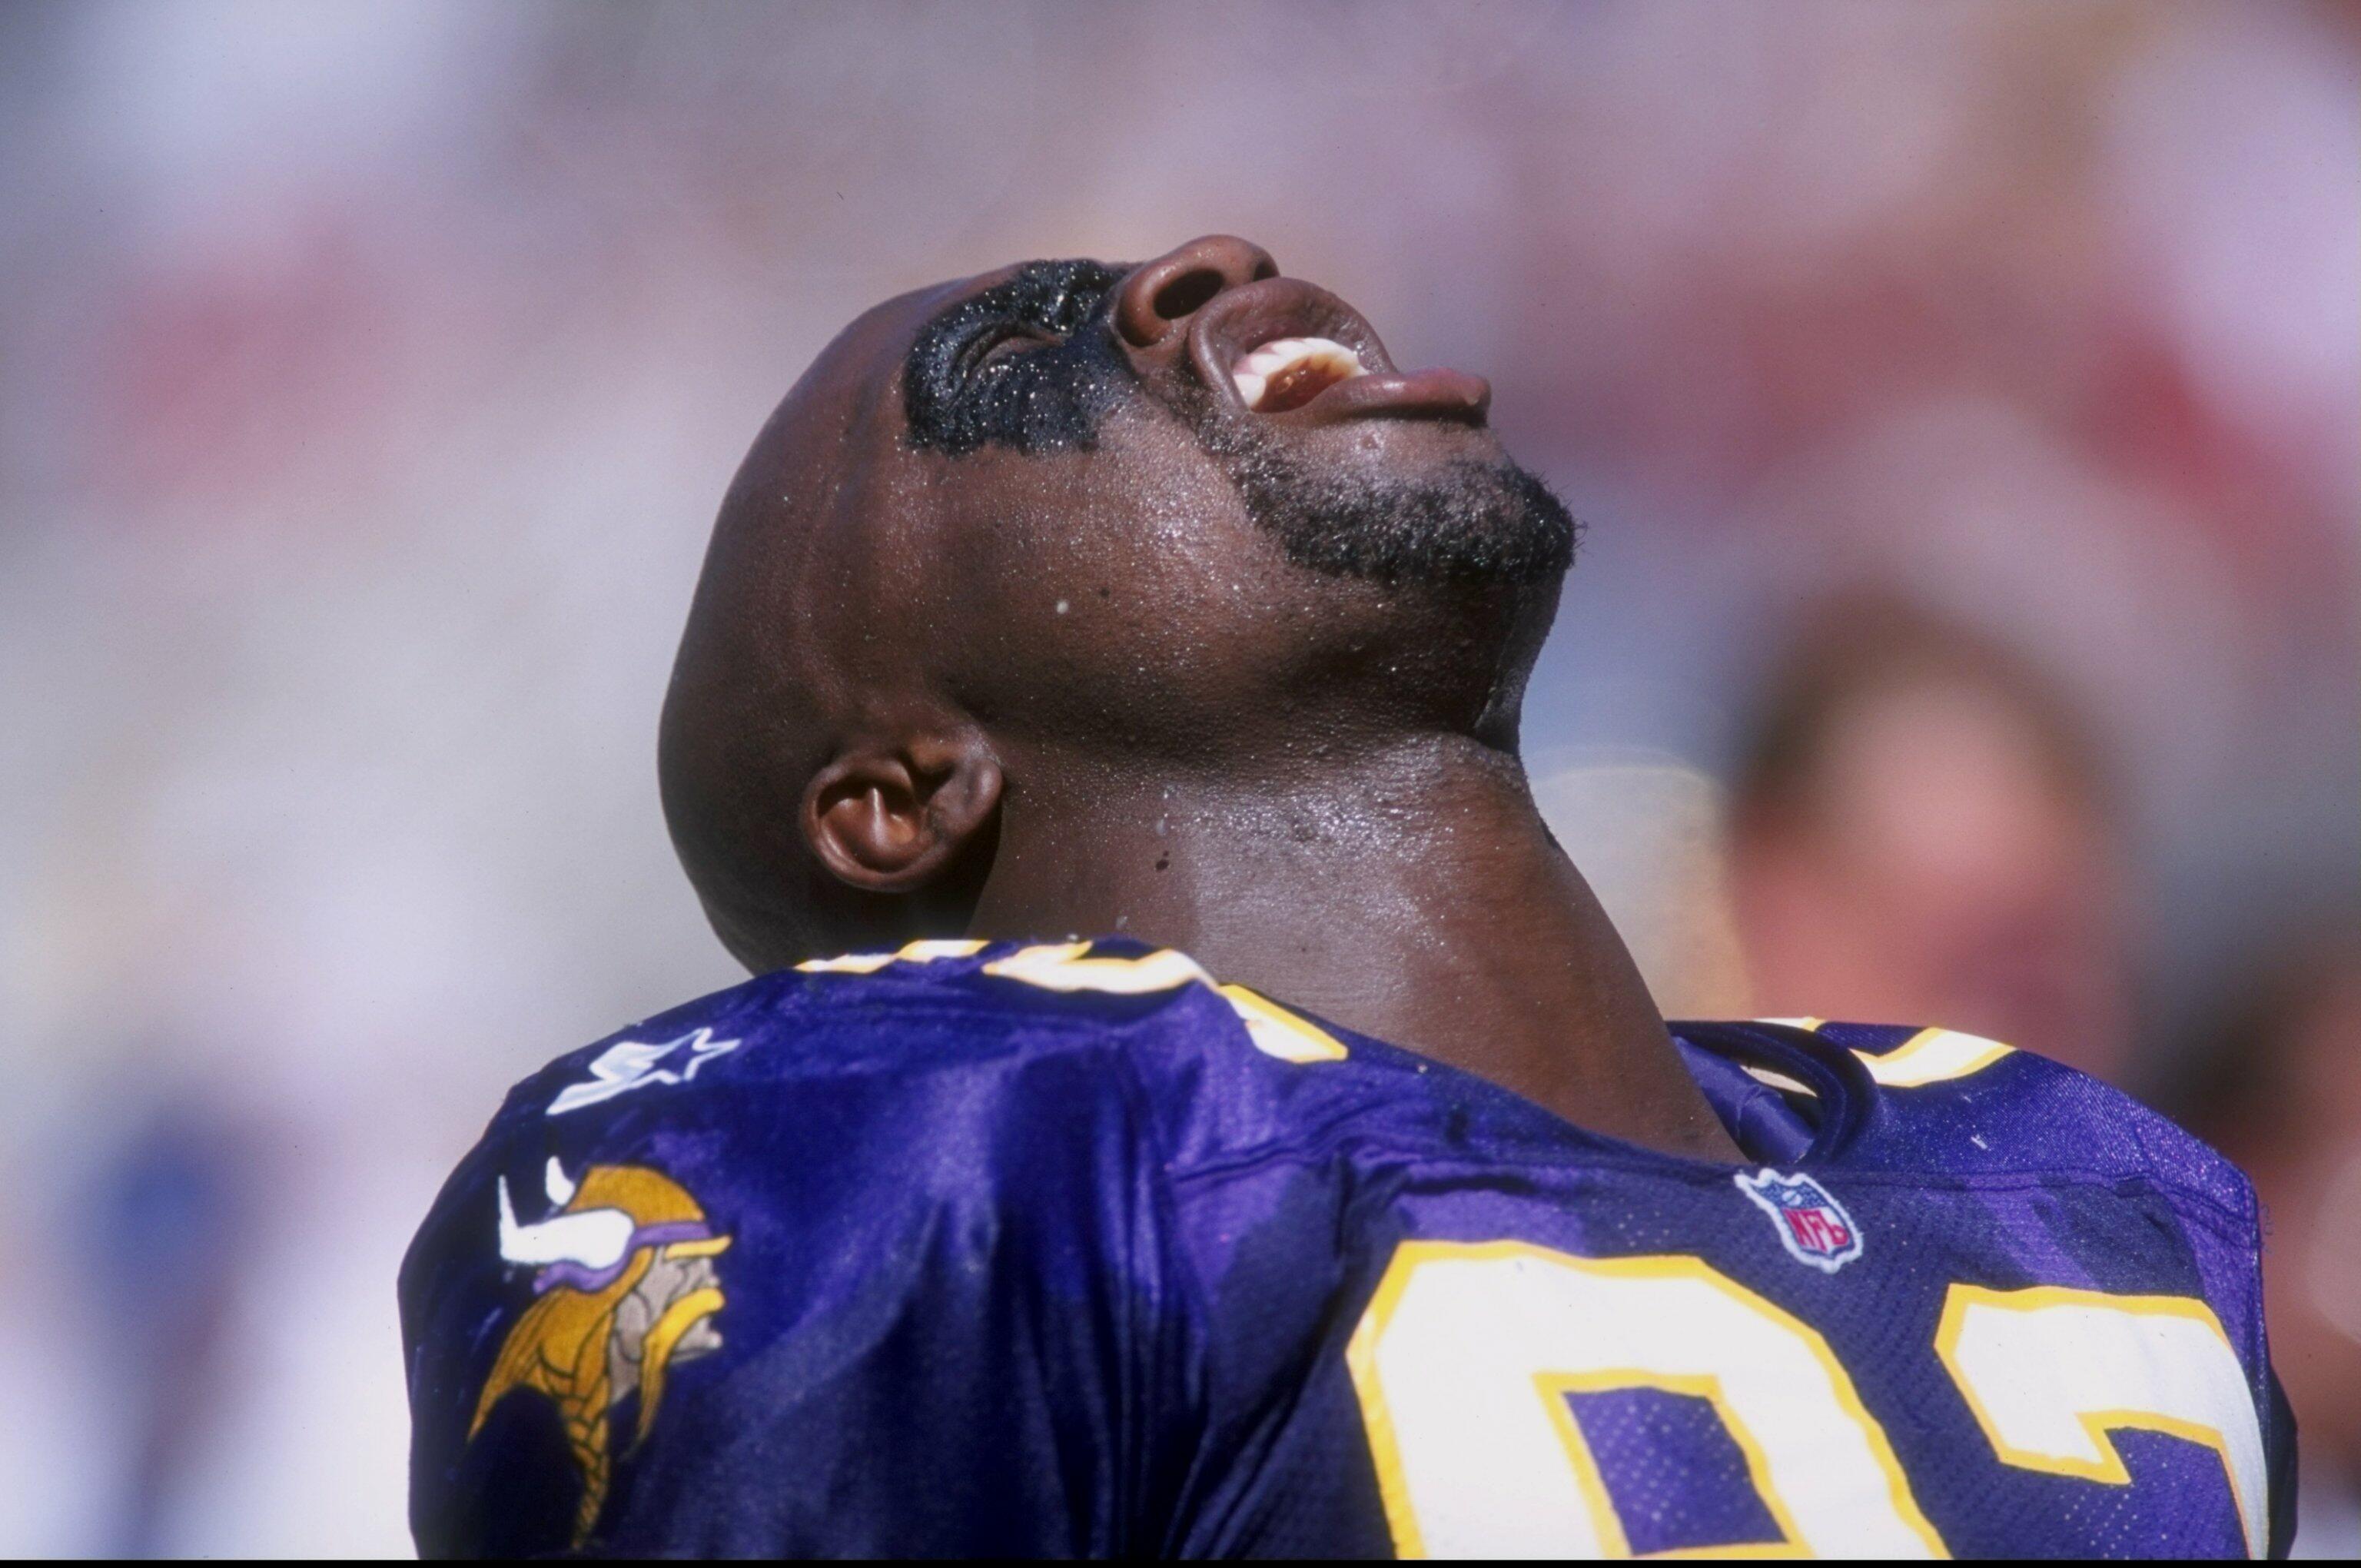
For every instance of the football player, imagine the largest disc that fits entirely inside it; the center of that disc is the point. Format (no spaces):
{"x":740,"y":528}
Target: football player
{"x":1189,"y":1105}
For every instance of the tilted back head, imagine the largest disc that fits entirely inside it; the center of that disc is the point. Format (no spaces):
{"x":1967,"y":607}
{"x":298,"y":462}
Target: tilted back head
{"x":1065,"y":522}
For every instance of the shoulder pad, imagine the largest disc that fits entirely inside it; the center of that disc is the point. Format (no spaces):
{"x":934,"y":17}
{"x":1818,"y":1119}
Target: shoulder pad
{"x":1953,"y":1102}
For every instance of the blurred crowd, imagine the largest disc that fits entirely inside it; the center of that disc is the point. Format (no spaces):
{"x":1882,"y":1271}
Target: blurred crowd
{"x":1964,"y":399}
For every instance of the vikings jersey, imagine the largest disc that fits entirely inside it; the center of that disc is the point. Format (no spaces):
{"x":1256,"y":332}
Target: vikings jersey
{"x":1069,"y":1249}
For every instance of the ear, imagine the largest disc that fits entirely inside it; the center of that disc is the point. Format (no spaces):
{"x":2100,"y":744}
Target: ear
{"x":890,"y":819}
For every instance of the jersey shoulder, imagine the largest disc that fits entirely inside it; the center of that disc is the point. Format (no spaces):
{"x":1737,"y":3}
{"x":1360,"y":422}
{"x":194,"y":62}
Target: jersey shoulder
{"x":1010,"y":1020}
{"x":1946,"y":1102}
{"x":930,"y":1048}
{"x":956,"y":1071}
{"x":850,"y":1166}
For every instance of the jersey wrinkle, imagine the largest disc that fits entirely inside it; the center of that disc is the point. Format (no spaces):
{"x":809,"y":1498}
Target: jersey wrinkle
{"x":931,"y":1260}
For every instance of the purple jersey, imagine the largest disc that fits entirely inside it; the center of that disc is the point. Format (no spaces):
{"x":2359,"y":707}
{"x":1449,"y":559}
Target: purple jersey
{"x":1067,"y":1249}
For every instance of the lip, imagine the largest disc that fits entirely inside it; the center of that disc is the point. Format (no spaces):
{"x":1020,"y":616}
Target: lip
{"x":1243,"y":319}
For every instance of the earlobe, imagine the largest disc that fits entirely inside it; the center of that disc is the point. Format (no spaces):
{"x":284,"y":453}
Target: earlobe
{"x":890,"y":819}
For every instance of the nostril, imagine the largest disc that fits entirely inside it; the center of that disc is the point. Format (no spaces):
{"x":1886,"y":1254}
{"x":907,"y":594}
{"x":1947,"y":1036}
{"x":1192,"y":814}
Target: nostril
{"x":1264,"y":268}
{"x":1186,"y":294}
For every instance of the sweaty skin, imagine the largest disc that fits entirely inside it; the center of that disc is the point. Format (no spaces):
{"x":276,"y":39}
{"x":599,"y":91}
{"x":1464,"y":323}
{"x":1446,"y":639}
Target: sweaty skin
{"x":1094,"y":649}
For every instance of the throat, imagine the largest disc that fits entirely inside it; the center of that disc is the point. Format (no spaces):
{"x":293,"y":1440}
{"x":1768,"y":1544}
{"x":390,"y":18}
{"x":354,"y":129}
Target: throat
{"x":1415,"y":897}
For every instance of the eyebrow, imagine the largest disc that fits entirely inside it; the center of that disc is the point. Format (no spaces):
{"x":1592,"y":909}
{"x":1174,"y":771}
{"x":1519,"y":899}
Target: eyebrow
{"x":1057,"y":295}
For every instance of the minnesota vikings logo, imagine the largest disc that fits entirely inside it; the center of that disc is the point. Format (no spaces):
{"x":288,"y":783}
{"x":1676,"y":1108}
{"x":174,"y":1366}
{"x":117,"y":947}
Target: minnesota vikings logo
{"x":626,"y":1287}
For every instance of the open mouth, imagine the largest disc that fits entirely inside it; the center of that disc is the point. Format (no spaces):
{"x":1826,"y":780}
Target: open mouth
{"x":1289,"y":372}
{"x":1290,"y":351}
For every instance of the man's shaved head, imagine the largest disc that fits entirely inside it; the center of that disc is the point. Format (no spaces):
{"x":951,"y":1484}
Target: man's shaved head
{"x":1020,"y":543}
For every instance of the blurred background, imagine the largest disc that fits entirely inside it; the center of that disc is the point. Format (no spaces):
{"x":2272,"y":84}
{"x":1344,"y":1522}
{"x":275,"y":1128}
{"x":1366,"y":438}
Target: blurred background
{"x":1965,"y":401}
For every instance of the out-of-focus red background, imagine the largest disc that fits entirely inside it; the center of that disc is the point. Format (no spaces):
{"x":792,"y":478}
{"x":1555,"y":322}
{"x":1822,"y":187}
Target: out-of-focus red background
{"x":369,"y":374}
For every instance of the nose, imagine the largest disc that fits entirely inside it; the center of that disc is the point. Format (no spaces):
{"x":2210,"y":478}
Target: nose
{"x":1161,"y":294}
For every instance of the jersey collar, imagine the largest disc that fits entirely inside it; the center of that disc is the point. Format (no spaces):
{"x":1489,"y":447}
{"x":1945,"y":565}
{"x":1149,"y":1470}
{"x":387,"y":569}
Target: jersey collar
{"x":1786,"y":1095}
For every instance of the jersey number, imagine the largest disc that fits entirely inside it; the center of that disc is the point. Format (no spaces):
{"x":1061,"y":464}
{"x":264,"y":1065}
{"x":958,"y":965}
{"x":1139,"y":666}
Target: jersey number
{"x":1468,"y":1355}
{"x":2050,"y":1372}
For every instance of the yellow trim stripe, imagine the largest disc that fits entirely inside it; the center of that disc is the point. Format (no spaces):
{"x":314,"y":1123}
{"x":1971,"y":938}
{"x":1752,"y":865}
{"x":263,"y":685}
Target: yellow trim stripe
{"x":1276,"y":1032}
{"x":1933,"y":1055}
{"x":1061,"y":965}
{"x":926,"y":950}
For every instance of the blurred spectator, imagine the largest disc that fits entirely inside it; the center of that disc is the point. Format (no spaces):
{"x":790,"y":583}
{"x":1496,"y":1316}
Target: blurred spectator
{"x":2279,"y":1090}
{"x":166,"y":1239}
{"x":1923,"y":835}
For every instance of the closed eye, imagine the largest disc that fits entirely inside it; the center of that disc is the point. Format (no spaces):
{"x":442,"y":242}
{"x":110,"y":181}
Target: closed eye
{"x":1000,"y":345}
{"x":964,"y":385}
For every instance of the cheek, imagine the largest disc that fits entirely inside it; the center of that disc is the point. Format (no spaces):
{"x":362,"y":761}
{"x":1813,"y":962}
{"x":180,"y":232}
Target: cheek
{"x":1123,"y":588}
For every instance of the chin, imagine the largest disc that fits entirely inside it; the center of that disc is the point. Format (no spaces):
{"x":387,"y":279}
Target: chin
{"x":1425,"y":503}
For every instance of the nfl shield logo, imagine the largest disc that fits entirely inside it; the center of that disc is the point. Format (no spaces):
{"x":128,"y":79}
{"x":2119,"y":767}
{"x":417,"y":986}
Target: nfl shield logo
{"x":1812,"y":1225}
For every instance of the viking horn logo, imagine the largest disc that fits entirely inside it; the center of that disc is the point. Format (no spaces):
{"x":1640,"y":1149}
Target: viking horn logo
{"x":624,"y":1281}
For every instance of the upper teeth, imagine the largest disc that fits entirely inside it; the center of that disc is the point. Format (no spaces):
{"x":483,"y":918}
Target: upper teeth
{"x":1287,"y":357}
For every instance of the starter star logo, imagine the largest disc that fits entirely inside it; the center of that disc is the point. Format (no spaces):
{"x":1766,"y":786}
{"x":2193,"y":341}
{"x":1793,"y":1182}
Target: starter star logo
{"x":635,"y":1064}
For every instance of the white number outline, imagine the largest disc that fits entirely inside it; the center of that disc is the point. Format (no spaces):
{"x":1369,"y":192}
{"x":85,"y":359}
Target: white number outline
{"x":1401,"y":1516}
{"x":1931,"y":1056}
{"x":2108,"y":1469}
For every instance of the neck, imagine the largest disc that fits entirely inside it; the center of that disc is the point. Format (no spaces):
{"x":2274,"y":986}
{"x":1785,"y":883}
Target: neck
{"x":1409,"y":892}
